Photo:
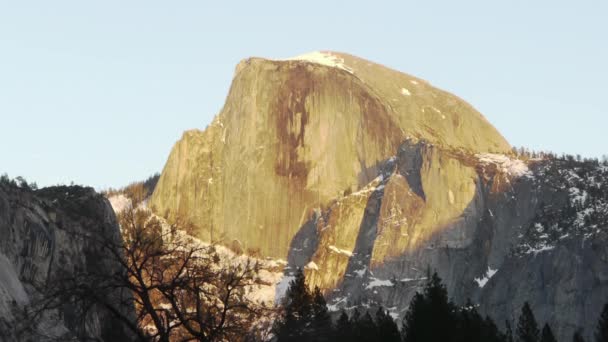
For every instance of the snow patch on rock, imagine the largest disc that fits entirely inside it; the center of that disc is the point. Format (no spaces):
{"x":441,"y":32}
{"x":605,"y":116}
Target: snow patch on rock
{"x":323,"y":58}
{"x":539,"y":249}
{"x":335,"y":305}
{"x":484,"y":280}
{"x":340,"y":251}
{"x":513,"y":167}
{"x":312,"y":266}
{"x":576,"y":195}
{"x":375,"y":282}
{"x":360,"y":273}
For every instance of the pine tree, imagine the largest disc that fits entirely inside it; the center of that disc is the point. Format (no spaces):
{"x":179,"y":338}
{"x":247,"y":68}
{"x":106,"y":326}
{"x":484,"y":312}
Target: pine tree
{"x":387,"y":329}
{"x":547,"y":334}
{"x":527,"y":328}
{"x":365,"y":329}
{"x":470,"y":324}
{"x":472,"y":327}
{"x":601,"y":331}
{"x":344,"y":329}
{"x":490,"y":332}
{"x":415,"y":326}
{"x":321,"y":322}
{"x":428,"y":311}
{"x":294,"y":325}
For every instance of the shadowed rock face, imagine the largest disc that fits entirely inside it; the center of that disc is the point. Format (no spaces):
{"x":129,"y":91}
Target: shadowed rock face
{"x":496,"y":237}
{"x":367,"y":177}
{"x":41,"y":239}
{"x":294,"y":135}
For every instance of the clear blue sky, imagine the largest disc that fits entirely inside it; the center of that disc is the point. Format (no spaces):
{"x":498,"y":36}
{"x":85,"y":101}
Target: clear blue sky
{"x":97,"y":92}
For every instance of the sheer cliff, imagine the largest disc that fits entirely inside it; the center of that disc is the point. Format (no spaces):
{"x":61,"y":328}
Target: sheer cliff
{"x":295,"y":134}
{"x":366,"y":177}
{"x":44,"y":236}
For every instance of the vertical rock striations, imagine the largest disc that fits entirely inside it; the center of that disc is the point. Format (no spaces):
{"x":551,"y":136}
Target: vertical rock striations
{"x":42,"y":238}
{"x":293,"y":135}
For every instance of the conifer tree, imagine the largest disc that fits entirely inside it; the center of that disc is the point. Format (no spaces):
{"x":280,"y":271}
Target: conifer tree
{"x":415,"y":326}
{"x":472,"y":327}
{"x":527,"y":328}
{"x":601,"y":331}
{"x":547,"y":334}
{"x":428,"y":311}
{"x":490,"y":332}
{"x":470,"y":324}
{"x":344,"y":329}
{"x":387,"y":329}
{"x":365,"y":329}
{"x":321,"y":321}
{"x":295,"y":322}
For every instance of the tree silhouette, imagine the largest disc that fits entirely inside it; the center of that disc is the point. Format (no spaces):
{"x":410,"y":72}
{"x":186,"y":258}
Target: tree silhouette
{"x":181,"y":289}
{"x":547,"y":334}
{"x":344,"y":328}
{"x":387,"y":329}
{"x":427,"y":311}
{"x":321,"y":321}
{"x":472,"y":327}
{"x":295,"y":323}
{"x":365,"y":329}
{"x":527,"y":328}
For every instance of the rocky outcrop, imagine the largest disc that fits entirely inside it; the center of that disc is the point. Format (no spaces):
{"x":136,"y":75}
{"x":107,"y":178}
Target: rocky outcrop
{"x":367,"y":177}
{"x":293,"y":135}
{"x":43,"y":236}
{"x":495,"y":231}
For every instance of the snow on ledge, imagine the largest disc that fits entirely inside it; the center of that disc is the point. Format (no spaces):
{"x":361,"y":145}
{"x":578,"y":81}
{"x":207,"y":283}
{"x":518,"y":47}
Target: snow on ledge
{"x":323,"y":58}
{"x":340,"y":251}
{"x":540,"y":249}
{"x":513,"y":167}
{"x":378,"y":282}
{"x":312,"y":266}
{"x":489,"y":274}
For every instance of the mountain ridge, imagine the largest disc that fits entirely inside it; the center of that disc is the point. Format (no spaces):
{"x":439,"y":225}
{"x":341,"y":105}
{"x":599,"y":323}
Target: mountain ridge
{"x":318,"y":130}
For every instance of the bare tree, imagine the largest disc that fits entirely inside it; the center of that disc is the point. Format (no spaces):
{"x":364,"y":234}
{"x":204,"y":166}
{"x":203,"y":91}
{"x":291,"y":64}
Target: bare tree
{"x":181,"y":289}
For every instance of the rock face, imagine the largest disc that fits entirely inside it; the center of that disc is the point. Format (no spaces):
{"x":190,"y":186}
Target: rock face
{"x":40,"y":241}
{"x":367,"y":177}
{"x":494,"y":230}
{"x":295,"y":134}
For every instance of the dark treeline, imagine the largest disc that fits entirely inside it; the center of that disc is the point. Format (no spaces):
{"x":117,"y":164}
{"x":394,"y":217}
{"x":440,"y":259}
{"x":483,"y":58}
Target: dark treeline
{"x":432,"y":316}
{"x":19,"y":182}
{"x":526,"y":153}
